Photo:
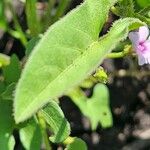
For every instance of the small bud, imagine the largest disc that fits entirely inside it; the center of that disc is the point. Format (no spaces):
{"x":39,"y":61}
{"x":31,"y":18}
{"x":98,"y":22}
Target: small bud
{"x":101,"y":75}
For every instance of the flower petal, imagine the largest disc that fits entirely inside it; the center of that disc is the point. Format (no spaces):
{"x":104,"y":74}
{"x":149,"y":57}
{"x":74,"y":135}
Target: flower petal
{"x":144,"y":57}
{"x":134,"y":37}
{"x":147,"y":45}
{"x":141,"y":60}
{"x":143,"y":33}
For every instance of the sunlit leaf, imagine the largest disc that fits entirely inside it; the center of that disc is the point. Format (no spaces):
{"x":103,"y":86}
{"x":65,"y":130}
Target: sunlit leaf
{"x":68,"y":52}
{"x":4,"y":60}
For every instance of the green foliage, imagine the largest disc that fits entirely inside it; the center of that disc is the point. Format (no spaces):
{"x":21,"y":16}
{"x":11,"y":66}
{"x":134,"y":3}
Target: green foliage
{"x":129,"y":8}
{"x":143,"y":3}
{"x":3,"y":23}
{"x":59,"y":54}
{"x":31,"y":44}
{"x":101,"y":75}
{"x":2,"y":86}
{"x":125,"y":8}
{"x":61,"y":9}
{"x":8,"y":93}
{"x":32,"y":19}
{"x":56,"y":121}
{"x":97,"y":107}
{"x":12,"y":71}
{"x":30,"y":136}
{"x":69,"y":45}
{"x":4,"y":60}
{"x":6,"y":125}
{"x":77,"y":144}
{"x":68,"y":53}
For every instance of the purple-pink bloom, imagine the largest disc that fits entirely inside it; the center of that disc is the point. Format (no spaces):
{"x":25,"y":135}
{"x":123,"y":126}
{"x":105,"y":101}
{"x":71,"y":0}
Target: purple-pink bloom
{"x":141,"y":44}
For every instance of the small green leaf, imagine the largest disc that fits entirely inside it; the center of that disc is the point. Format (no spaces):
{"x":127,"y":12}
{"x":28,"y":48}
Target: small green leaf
{"x":30,"y":136}
{"x":4,"y":60}
{"x":101,"y":75}
{"x":8,"y":93}
{"x":77,"y":144}
{"x":12,"y":71}
{"x":6,"y":125}
{"x":98,"y":107}
{"x":55,"y":118}
{"x":11,"y":143}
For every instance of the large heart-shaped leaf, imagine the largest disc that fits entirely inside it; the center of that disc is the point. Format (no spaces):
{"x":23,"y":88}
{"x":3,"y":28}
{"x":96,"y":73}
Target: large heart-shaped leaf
{"x":67,"y":53}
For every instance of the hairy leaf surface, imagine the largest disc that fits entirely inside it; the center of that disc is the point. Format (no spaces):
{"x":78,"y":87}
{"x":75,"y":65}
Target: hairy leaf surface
{"x":68,"y":52}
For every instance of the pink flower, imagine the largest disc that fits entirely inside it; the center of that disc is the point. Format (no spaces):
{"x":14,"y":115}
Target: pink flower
{"x":141,"y":44}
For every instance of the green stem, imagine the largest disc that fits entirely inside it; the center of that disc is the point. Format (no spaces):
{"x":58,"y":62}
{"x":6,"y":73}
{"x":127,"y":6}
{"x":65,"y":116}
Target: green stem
{"x":124,"y":53}
{"x":19,"y":32}
{"x":32,"y":20}
{"x":44,"y":132}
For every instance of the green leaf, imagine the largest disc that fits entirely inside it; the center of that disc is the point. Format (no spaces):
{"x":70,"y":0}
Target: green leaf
{"x":8,"y":93}
{"x":2,"y":87}
{"x":145,"y":10}
{"x":12,"y":71}
{"x":54,"y":116}
{"x":126,"y":8}
{"x":97,"y":107}
{"x":68,"y":52}
{"x":77,"y":144}
{"x":143,"y":3}
{"x":30,"y":136}
{"x":4,"y":60}
{"x":11,"y":143}
{"x":6,"y":125}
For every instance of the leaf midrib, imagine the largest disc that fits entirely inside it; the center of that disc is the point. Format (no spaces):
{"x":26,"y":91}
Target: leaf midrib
{"x":61,"y":74}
